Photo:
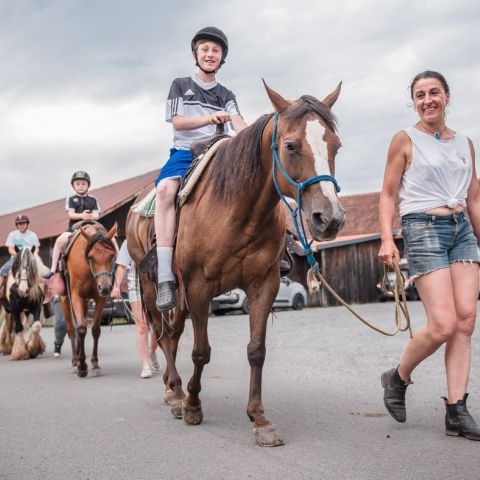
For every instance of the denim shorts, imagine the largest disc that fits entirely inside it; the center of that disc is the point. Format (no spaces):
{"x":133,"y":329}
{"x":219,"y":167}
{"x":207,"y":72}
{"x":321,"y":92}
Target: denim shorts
{"x":433,"y":242}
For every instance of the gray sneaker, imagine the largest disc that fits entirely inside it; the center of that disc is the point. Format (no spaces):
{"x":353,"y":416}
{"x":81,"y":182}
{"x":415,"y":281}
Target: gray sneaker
{"x":166,"y":295}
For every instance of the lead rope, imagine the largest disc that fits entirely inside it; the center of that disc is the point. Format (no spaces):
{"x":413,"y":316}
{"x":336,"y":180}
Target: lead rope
{"x":315,"y":280}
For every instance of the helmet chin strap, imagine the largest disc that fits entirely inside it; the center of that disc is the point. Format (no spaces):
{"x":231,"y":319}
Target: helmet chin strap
{"x":208,"y":72}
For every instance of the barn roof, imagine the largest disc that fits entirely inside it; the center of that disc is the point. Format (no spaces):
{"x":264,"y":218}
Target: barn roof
{"x":49,"y":219}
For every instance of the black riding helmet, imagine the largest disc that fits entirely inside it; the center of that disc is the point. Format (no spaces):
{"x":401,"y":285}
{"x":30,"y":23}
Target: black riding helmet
{"x":21,"y":219}
{"x":80,"y":175}
{"x":214,"y":34}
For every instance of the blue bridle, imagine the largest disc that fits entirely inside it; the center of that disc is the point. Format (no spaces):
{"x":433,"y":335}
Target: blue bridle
{"x":296,"y":213}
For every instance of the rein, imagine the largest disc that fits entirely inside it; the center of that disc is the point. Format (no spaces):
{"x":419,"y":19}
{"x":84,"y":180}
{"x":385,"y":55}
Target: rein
{"x":316,"y":279}
{"x":296,"y":213}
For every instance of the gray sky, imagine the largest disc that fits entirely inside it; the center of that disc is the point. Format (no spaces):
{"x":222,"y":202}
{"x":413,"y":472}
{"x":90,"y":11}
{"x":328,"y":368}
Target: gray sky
{"x":84,"y":82}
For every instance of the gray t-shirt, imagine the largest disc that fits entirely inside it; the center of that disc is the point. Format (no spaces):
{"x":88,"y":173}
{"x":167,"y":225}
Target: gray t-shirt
{"x":191,"y":97}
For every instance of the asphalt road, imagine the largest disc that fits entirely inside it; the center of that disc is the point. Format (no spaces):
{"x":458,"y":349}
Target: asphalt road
{"x":321,"y":388}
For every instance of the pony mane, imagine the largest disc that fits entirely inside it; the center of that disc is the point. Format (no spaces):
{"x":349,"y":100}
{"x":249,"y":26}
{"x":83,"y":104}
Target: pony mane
{"x":237,"y":161}
{"x":26,"y":259}
{"x":99,"y":237}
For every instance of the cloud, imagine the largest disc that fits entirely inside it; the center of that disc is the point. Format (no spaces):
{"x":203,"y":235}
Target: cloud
{"x":83,"y":83}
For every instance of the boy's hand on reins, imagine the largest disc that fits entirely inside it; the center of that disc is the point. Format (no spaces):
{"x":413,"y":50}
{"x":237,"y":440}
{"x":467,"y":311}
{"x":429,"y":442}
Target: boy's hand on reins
{"x":220,"y":117}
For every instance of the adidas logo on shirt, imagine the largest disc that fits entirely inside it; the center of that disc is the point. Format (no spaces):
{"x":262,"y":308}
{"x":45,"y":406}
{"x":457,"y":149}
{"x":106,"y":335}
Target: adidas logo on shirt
{"x":188,"y":92}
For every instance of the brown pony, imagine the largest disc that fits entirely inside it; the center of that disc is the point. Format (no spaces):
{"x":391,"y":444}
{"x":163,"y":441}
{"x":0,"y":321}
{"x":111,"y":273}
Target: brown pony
{"x":231,"y":233}
{"x":89,"y":269}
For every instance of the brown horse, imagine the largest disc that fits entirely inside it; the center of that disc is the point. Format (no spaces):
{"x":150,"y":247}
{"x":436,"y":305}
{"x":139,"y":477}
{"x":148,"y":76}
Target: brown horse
{"x":231,"y":233}
{"x":89,"y":269}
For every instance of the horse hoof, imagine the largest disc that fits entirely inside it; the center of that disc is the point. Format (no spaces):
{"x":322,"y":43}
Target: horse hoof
{"x":82,"y":373}
{"x":176,"y":409}
{"x":193,"y":415}
{"x":267,"y":436}
{"x":168,"y":396}
{"x":96,"y":372}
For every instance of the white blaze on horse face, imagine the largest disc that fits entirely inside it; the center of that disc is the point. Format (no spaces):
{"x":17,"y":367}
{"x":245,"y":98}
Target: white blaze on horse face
{"x":314,"y":132}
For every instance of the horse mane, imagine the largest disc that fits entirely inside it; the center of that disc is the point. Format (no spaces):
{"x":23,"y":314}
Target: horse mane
{"x":237,"y":161}
{"x":99,"y":237}
{"x":25,"y":258}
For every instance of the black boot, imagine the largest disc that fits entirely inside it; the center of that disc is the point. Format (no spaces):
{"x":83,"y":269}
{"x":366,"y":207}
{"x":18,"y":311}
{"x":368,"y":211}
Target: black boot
{"x":166,"y":295}
{"x":394,"y":394}
{"x":459,"y":422}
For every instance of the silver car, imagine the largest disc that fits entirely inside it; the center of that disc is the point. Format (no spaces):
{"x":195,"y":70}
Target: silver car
{"x":290,"y":295}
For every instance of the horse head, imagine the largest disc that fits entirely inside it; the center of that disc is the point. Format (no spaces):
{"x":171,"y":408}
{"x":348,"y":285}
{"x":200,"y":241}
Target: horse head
{"x":100,"y":254}
{"x":305,"y":143}
{"x":25,"y":270}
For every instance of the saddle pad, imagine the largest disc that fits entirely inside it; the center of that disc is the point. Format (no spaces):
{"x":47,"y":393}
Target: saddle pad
{"x":146,"y":206}
{"x":200,"y":165}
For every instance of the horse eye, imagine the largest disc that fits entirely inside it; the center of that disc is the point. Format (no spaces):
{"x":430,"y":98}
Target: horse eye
{"x":290,"y":147}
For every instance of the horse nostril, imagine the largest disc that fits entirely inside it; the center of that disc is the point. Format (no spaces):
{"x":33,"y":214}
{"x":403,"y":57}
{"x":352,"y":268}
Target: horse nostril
{"x":318,"y":218}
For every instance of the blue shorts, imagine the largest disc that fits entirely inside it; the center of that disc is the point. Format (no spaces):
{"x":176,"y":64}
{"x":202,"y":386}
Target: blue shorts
{"x":176,"y":165}
{"x":433,"y":242}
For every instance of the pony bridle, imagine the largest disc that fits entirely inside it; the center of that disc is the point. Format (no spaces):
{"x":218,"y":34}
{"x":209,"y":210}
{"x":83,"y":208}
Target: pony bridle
{"x":296,"y":213}
{"x":111,"y":273}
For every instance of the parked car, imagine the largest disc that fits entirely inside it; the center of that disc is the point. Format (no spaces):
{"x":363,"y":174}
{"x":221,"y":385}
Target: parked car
{"x":112,"y":308}
{"x":290,"y":295}
{"x":385,"y":289}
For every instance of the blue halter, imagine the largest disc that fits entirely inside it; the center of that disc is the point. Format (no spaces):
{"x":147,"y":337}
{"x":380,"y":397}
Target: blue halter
{"x":296,"y":213}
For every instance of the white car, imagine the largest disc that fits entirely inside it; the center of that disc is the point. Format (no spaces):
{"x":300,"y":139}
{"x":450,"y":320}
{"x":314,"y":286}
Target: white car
{"x":290,"y":295}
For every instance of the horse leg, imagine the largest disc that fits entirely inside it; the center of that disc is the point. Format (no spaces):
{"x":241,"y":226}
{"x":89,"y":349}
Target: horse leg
{"x":65,"y":303}
{"x":19,"y":347}
{"x":96,"y":330}
{"x":260,"y":307}
{"x":192,"y":406}
{"x":6,"y":340}
{"x":168,"y":335}
{"x":35,"y":344}
{"x":81,"y":329}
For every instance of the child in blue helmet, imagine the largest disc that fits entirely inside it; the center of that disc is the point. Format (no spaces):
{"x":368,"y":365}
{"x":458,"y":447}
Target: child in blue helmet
{"x":195,"y":105}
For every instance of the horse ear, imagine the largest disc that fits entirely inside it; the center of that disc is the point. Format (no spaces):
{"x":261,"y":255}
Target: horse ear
{"x":113,"y":231}
{"x":34,"y":248}
{"x":278,"y":102}
{"x":16,"y":249}
{"x":330,"y":99}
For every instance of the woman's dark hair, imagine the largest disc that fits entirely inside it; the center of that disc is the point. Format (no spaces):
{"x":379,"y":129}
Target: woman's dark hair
{"x":430,"y":74}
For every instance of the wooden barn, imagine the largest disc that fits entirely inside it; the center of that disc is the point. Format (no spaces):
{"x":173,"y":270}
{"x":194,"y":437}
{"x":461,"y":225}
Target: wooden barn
{"x":349,"y":263}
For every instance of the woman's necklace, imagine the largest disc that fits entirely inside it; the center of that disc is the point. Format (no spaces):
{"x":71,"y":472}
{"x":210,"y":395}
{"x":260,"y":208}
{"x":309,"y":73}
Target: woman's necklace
{"x":437,"y":135}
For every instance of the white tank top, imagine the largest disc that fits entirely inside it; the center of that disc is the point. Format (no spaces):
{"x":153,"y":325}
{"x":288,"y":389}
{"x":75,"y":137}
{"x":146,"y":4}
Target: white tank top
{"x":439,"y":174}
